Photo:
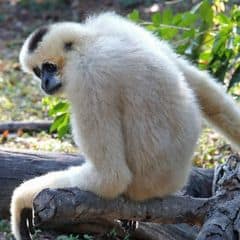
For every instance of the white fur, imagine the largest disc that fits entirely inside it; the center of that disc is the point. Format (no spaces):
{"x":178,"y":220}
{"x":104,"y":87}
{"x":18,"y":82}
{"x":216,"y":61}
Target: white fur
{"x":134,"y":113}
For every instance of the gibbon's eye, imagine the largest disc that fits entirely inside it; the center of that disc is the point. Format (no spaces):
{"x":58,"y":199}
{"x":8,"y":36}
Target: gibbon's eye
{"x":49,"y":67}
{"x":68,"y":46}
{"x":37,"y":72}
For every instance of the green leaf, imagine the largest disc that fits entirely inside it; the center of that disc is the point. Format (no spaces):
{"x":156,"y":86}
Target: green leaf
{"x":63,"y":128}
{"x":206,"y":12}
{"x":219,"y":43}
{"x":188,"y":19}
{"x":167,"y":16}
{"x":223,"y":19}
{"x":134,"y":16}
{"x":57,"y":122}
{"x":177,"y":19}
{"x":189,"y":34}
{"x":60,"y":107}
{"x":156,"y":19}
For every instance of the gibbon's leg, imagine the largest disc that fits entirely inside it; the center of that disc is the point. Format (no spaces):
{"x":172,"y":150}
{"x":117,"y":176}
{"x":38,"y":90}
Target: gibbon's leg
{"x":105,"y":172}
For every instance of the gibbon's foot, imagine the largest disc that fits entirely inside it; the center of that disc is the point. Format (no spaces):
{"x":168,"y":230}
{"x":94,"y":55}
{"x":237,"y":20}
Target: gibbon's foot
{"x":128,"y":225}
{"x":26,"y":224}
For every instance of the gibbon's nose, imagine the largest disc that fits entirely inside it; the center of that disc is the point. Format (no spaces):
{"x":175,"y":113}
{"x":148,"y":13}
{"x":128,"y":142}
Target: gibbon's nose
{"x":50,"y":83}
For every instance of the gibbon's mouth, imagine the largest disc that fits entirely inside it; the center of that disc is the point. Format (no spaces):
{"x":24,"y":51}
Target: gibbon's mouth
{"x":53,"y":89}
{"x":50,"y":82}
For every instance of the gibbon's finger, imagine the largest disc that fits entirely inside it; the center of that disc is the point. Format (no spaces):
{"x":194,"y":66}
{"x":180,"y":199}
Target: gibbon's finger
{"x":26,"y":214}
{"x":30,"y":221}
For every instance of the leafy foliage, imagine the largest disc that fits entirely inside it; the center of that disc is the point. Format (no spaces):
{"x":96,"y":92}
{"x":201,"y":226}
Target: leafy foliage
{"x":59,"y":110}
{"x":6,"y":230}
{"x":4,"y":226}
{"x":209,"y":35}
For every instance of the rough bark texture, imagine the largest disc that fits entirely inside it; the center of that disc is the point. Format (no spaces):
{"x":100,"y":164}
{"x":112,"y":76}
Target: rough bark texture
{"x":71,"y":205}
{"x":210,"y":200}
{"x":16,"y":167}
{"x":222,"y":220}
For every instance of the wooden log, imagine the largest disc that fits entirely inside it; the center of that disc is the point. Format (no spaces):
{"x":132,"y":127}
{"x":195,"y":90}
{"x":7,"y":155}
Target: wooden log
{"x":219,"y":215}
{"x":25,"y":126}
{"x":71,"y":205}
{"x":16,"y":167}
{"x":223,"y":219}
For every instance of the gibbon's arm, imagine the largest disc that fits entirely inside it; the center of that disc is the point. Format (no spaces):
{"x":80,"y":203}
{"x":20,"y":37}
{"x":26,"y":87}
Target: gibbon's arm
{"x":218,"y":108}
{"x":105,"y":174}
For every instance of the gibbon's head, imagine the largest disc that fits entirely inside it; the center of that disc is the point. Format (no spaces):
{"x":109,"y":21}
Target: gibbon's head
{"x":46,"y":50}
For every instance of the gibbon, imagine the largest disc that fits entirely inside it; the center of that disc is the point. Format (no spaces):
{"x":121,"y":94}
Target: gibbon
{"x":136,"y":108}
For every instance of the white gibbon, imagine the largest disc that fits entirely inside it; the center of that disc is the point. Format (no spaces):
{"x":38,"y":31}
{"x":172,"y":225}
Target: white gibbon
{"x":136,"y":108}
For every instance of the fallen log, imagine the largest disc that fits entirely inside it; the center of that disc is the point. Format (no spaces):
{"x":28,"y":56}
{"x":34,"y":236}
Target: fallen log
{"x":25,"y":126}
{"x":218,"y":215}
{"x":16,"y":167}
{"x":78,"y":211}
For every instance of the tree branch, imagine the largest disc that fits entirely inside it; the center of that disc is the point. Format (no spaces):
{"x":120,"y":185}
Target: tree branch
{"x":25,"y":126}
{"x":71,"y":205}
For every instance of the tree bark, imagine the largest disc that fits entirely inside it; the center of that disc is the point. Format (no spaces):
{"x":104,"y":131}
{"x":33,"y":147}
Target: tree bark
{"x":16,"y":167}
{"x":218,"y":215}
{"x":210,"y":199}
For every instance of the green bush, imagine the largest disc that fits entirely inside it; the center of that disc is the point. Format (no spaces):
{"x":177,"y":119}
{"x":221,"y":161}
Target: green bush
{"x":208,"y":35}
{"x":58,"y":109}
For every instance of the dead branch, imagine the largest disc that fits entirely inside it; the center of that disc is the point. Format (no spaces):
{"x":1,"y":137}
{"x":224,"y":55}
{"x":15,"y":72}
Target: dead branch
{"x":25,"y":126}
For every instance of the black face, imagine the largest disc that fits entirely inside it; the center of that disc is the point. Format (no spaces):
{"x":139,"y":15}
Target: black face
{"x":48,"y":75}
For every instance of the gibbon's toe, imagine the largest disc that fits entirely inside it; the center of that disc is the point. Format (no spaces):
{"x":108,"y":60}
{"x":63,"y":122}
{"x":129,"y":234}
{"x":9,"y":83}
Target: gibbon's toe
{"x":21,"y":213}
{"x":26,"y":225}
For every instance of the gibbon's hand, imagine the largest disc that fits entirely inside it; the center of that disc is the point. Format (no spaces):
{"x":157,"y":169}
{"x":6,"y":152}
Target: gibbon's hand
{"x":26,"y":224}
{"x":21,"y":211}
{"x":86,"y":177}
{"x":22,"y":200}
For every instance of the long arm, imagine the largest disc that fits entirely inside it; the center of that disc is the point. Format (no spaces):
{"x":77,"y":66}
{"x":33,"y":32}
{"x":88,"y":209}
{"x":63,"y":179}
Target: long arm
{"x":103,"y":174}
{"x":218,"y":108}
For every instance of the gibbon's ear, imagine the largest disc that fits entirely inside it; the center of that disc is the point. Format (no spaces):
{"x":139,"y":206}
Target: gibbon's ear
{"x":37,"y":38}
